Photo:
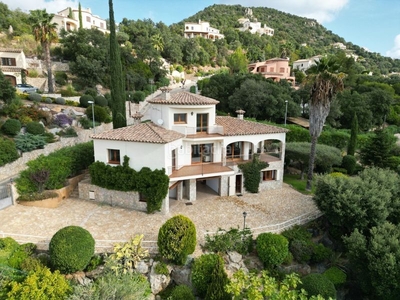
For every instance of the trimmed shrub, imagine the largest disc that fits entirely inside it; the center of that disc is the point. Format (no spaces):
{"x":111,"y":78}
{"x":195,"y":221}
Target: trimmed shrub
{"x":84,"y":100}
{"x":71,"y":249}
{"x":8,"y":151}
{"x":91,"y":91}
{"x":337,"y":276}
{"x":272,"y":248}
{"x":302,"y":250}
{"x":177,"y":239}
{"x":11,"y":127}
{"x":349,"y":163}
{"x":28,"y":142}
{"x":182,"y":292}
{"x":202,"y":269}
{"x":317,"y":284}
{"x":48,"y":100}
{"x":35,"y":97}
{"x":60,"y":100}
{"x":40,"y":284}
{"x":234,"y":239}
{"x":193,"y":89}
{"x":100,"y":114}
{"x":100,"y":101}
{"x":35,"y":128}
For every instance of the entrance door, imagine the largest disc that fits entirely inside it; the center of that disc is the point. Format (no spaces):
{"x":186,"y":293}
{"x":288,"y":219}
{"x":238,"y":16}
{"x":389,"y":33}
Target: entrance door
{"x":238,"y":184}
{"x":202,"y":123}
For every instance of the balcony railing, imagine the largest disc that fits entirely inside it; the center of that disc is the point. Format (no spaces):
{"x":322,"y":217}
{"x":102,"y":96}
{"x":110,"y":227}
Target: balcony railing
{"x":191,"y":131}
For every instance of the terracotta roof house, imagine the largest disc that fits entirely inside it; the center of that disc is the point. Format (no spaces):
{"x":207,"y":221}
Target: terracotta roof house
{"x":196,"y":148}
{"x":68,"y":19}
{"x":274,"y":68}
{"x":203,"y":29}
{"x":12,"y":62}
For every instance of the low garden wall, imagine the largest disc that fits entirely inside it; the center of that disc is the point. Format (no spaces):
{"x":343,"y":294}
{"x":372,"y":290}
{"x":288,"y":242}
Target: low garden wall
{"x":63,"y":193}
{"x":13,"y":169}
{"x":88,"y":191}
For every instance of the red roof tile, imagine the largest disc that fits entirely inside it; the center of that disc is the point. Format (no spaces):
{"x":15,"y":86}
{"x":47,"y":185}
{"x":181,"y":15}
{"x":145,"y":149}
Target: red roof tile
{"x":234,"y":126}
{"x":183,"y":98}
{"x":143,"y":133}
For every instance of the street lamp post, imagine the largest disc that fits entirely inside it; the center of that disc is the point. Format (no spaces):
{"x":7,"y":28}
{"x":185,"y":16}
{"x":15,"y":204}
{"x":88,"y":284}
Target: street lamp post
{"x":244,"y":219}
{"x":286,"y":102}
{"x":94,"y":127}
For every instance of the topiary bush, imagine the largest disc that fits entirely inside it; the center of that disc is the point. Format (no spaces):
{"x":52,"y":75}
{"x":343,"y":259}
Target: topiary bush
{"x":71,"y":249}
{"x":11,"y":127}
{"x":100,"y":101}
{"x":272,"y":248}
{"x":60,"y":100}
{"x":100,"y":114}
{"x":177,"y":239}
{"x":317,"y":284}
{"x":35,"y":128}
{"x":84,"y":100}
{"x":48,"y":100}
{"x":8,"y":151}
{"x":349,"y":163}
{"x":35,"y":97}
{"x":337,"y":276}
{"x":202,"y":269}
{"x":181,"y":292}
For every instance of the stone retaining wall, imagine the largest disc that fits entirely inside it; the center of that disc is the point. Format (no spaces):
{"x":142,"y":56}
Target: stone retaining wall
{"x":13,"y":169}
{"x":88,"y":191}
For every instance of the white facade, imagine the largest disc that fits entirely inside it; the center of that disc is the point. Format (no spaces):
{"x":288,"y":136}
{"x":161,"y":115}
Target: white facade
{"x":202,"y":29}
{"x":255,"y":27}
{"x":305,"y":64}
{"x":12,"y":63}
{"x":89,"y":20}
{"x":192,"y":144}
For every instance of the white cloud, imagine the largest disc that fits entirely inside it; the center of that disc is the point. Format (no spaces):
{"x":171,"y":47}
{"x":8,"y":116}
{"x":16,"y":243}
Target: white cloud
{"x":52,"y":6}
{"x":395,"y":51}
{"x":321,"y":10}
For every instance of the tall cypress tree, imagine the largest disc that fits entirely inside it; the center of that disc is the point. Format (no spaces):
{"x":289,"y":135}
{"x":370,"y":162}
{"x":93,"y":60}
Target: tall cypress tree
{"x":351,"y":148}
{"x":117,"y":82}
{"x":80,"y":16}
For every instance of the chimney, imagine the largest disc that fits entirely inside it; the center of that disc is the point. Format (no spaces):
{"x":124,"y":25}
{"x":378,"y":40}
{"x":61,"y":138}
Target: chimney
{"x":165,"y":95}
{"x":240,"y":114}
{"x":137,"y":118}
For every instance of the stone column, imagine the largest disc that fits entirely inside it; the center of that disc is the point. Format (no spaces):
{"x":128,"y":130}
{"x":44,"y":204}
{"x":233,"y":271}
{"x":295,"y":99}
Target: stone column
{"x":192,"y":189}
{"x":165,"y":205}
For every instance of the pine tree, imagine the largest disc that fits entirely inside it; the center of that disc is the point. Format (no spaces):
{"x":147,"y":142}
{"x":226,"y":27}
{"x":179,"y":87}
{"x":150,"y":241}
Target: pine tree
{"x":351,"y":148}
{"x":117,"y":82}
{"x":219,"y":279}
{"x":80,"y":16}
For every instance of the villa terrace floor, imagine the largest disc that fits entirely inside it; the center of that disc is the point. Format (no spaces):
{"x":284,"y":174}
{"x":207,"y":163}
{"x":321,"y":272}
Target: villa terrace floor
{"x":110,"y":224}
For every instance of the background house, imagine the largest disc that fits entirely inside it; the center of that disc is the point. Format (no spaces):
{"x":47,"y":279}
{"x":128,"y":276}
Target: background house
{"x":68,"y":19}
{"x":305,"y":64}
{"x":13,"y":62}
{"x":255,"y":27}
{"x":274,"y":68}
{"x":202,"y":29}
{"x":196,"y":148}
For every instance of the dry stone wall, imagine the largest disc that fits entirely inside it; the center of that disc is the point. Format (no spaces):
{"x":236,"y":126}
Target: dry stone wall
{"x":12,"y":170}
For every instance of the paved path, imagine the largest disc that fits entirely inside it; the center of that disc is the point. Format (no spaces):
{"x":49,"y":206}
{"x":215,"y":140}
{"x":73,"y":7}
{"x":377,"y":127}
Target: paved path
{"x":108,"y":224}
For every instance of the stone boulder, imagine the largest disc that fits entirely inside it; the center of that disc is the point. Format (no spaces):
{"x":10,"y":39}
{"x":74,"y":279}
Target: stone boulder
{"x":158,"y":282}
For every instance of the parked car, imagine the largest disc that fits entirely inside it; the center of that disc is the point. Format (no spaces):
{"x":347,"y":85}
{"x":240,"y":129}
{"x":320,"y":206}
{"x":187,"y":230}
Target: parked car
{"x":26,"y":88}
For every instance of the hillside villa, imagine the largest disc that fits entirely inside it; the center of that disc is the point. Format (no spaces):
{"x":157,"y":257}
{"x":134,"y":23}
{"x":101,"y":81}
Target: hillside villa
{"x":202,"y":29}
{"x":13,"y":62}
{"x":274,"y":68}
{"x":196,"y":148}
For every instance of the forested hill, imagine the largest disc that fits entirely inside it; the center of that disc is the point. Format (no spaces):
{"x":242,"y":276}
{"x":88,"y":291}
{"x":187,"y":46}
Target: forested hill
{"x":291,"y":32}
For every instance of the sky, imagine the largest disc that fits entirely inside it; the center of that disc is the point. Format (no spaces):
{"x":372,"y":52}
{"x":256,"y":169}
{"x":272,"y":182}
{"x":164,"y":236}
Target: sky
{"x":372,"y":24}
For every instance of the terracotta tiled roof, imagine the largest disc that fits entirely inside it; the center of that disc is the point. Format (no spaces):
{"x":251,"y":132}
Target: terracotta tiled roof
{"x":234,"y":126}
{"x":143,"y":133}
{"x":11,"y":69}
{"x":10,"y":50}
{"x":183,"y":98}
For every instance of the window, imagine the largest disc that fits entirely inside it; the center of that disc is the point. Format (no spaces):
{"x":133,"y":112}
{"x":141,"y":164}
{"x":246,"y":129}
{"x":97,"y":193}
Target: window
{"x":8,"y":61}
{"x":202,"y":123}
{"x":180,"y":118}
{"x":102,"y":25}
{"x":234,"y":150}
{"x":202,"y":153}
{"x":282,"y":70}
{"x":87,"y":19}
{"x":269,"y":175}
{"x":114,"y":156}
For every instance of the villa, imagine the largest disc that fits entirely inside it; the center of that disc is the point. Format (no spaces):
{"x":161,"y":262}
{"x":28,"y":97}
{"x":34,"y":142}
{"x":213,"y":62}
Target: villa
{"x":202,"y":29}
{"x":194,"y":146}
{"x":13,"y":62}
{"x":274,"y":68}
{"x":68,"y":19}
{"x":255,"y":27}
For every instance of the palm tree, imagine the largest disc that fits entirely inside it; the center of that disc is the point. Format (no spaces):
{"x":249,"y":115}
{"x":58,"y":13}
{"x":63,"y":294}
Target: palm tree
{"x":326,"y":83}
{"x":158,"y":42}
{"x":45,"y":32}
